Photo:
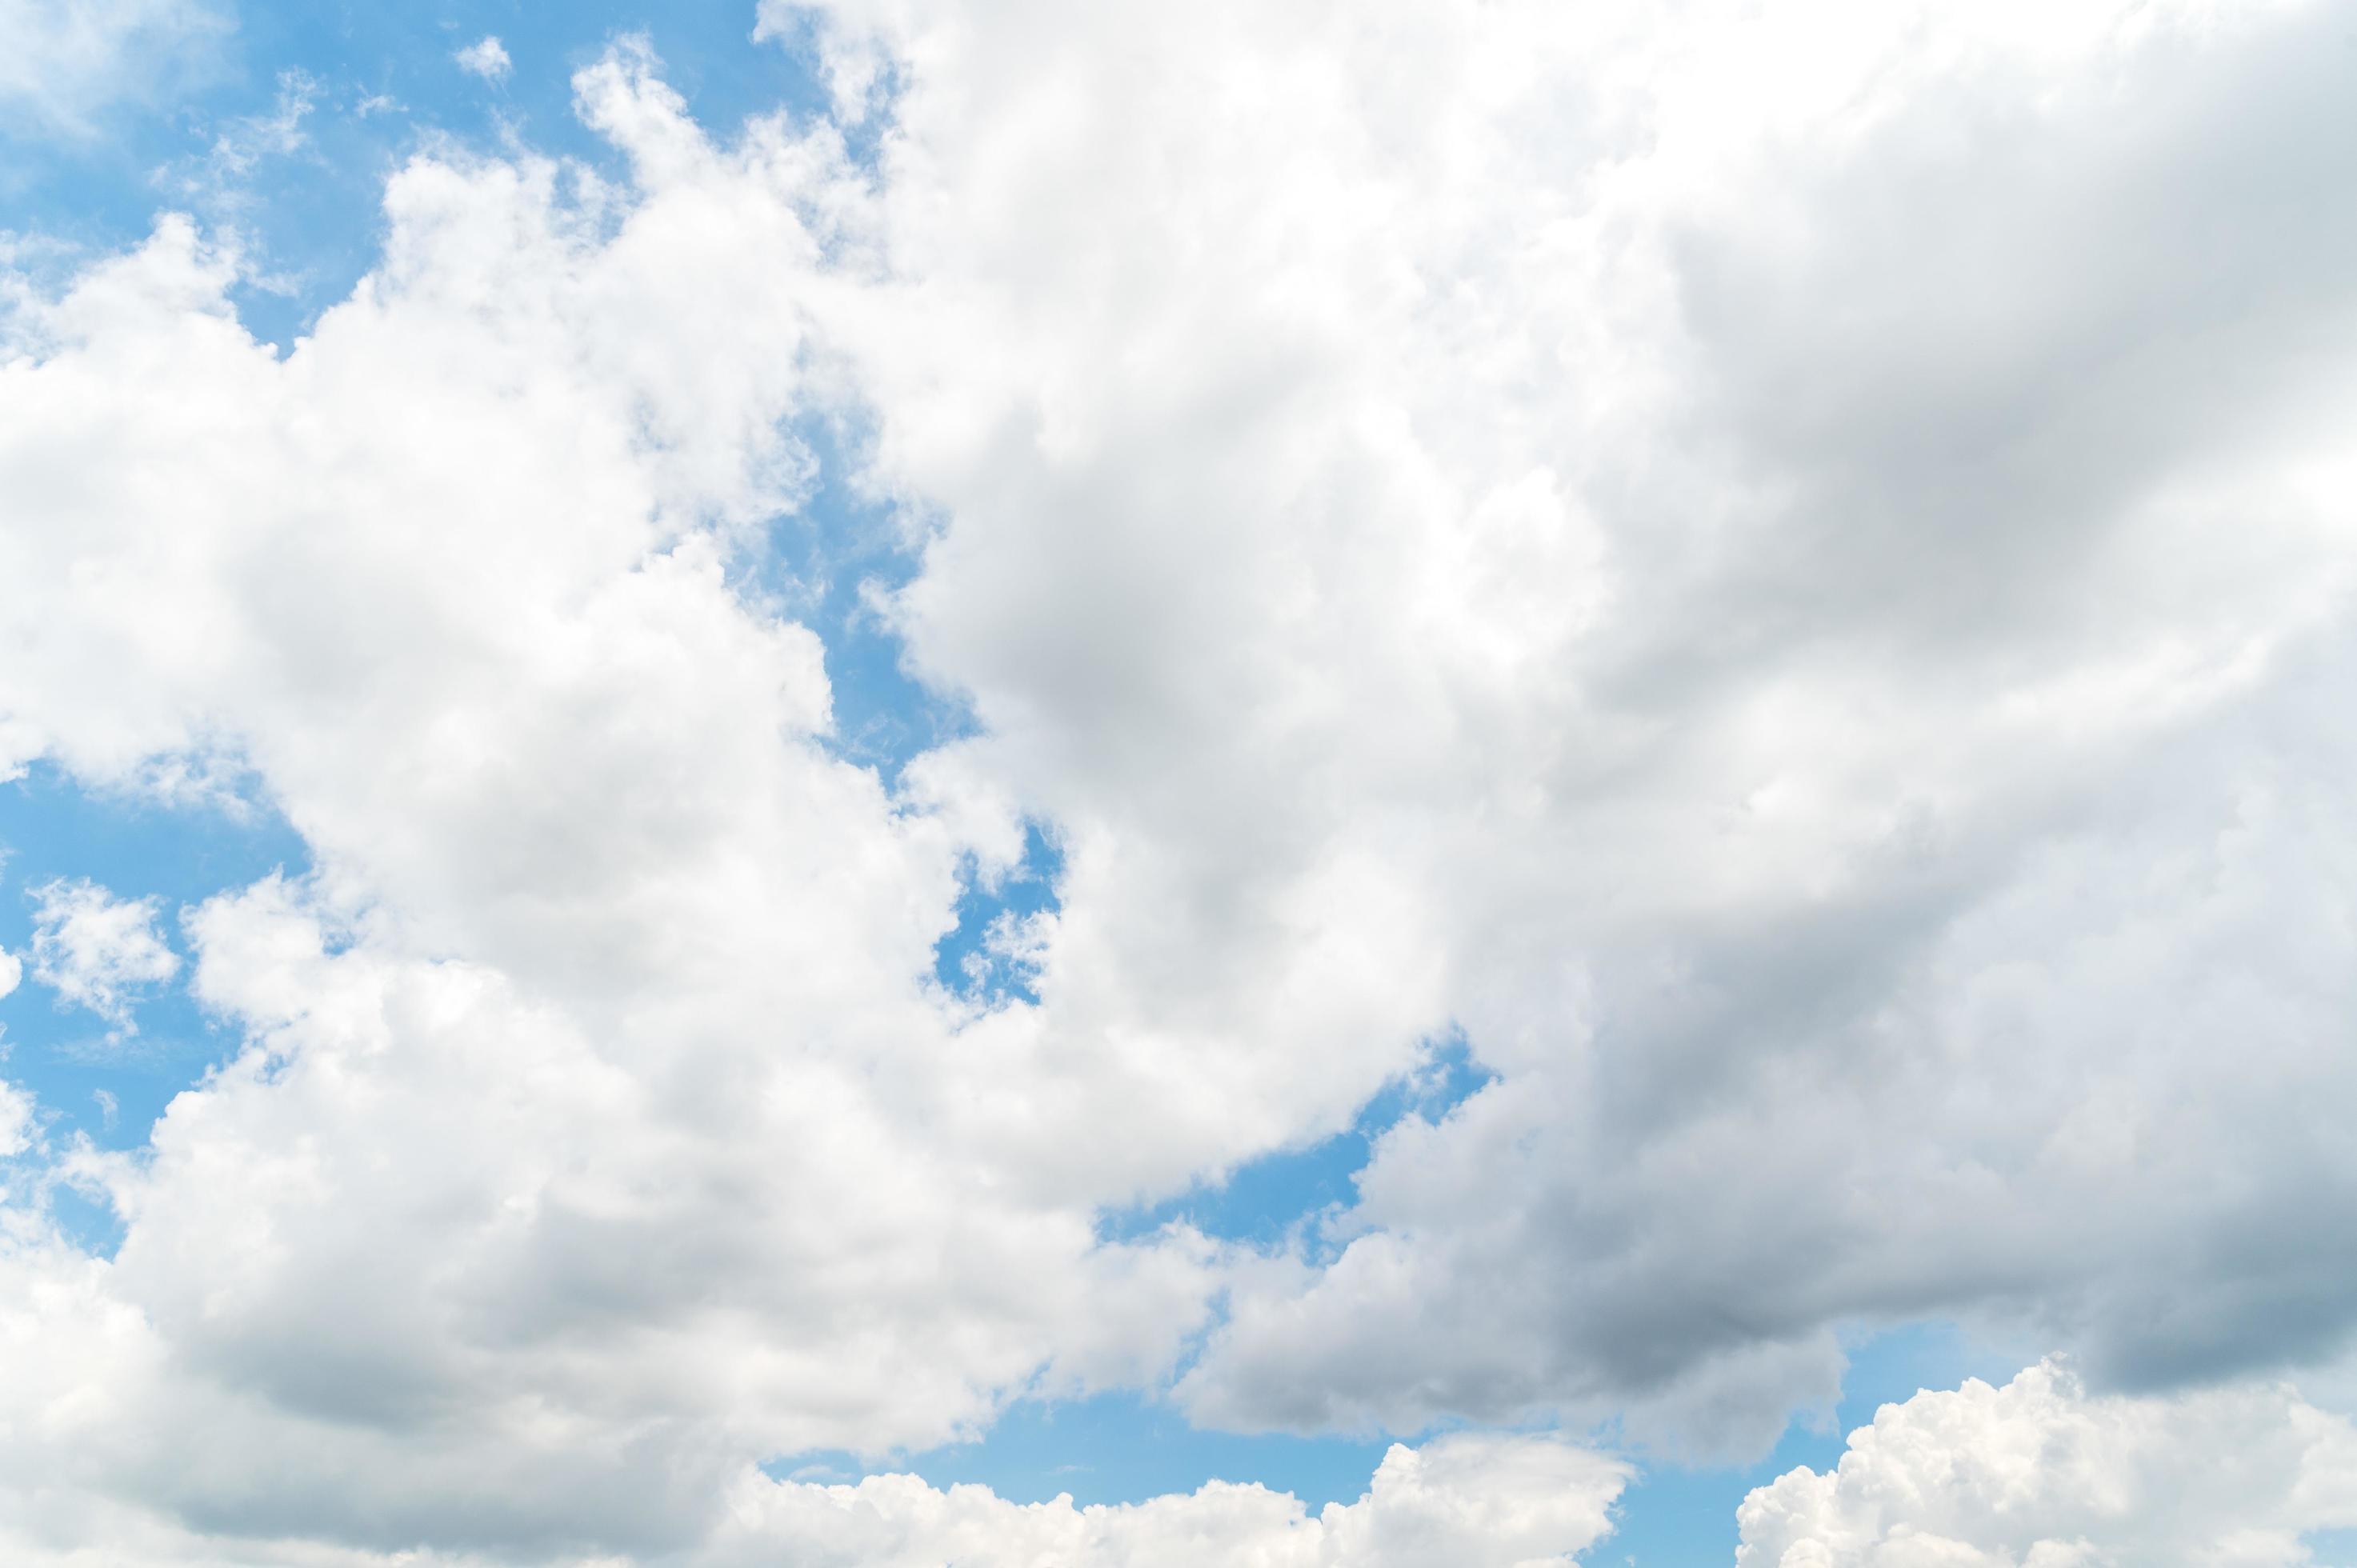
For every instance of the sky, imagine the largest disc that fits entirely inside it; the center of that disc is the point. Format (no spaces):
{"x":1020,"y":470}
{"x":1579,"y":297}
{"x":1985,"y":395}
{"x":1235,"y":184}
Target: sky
{"x":1316,"y":785}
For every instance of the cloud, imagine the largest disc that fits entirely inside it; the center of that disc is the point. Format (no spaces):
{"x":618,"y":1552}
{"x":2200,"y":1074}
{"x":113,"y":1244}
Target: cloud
{"x":96,"y":950}
{"x":60,"y":65}
{"x":373,"y":1250}
{"x":17,"y":1127}
{"x":1481,"y":1502}
{"x":486,"y":58}
{"x":2040,"y":1474}
{"x":12,"y":970}
{"x":1777,"y":574}
{"x":1466,"y":1502}
{"x":1710,"y":553}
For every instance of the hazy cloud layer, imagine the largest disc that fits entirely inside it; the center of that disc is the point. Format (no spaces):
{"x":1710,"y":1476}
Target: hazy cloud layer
{"x":63,"y":62}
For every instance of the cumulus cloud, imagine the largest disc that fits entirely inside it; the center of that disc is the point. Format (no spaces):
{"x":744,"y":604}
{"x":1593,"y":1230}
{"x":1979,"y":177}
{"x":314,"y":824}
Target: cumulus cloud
{"x":96,"y":950}
{"x":2041,"y":1473}
{"x":1709,"y":552}
{"x":1461,"y":1502}
{"x":12,"y":970}
{"x":1784,"y":576}
{"x":601,"y":1129}
{"x":1477,"y":1502}
{"x":486,"y":58}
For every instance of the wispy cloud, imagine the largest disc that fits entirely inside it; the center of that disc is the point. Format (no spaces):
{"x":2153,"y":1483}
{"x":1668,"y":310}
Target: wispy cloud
{"x":487,"y":58}
{"x":98,"y":951}
{"x":62,"y":64}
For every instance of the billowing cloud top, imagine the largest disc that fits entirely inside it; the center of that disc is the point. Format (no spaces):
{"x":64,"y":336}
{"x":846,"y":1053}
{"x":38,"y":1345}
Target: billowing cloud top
{"x":1774,"y":586}
{"x":2041,"y":1473}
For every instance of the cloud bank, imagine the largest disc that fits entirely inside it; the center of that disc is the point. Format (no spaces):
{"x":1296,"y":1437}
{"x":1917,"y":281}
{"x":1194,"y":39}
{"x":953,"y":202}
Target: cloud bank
{"x":2040,"y":1474}
{"x":1784,"y":579}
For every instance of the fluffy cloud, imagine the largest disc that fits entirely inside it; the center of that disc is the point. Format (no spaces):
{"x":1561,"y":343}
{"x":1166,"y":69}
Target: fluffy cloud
{"x":17,"y":1128}
{"x":2040,"y":1474}
{"x":1720,"y":553}
{"x":486,"y":58}
{"x":1785,"y":575}
{"x":96,"y":950}
{"x":604,"y":936}
{"x":1469,"y":1502}
{"x":1461,"y":1502}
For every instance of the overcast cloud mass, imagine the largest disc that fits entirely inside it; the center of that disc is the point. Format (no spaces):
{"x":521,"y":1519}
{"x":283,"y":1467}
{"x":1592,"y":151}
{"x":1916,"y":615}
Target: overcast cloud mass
{"x":1747,"y":607}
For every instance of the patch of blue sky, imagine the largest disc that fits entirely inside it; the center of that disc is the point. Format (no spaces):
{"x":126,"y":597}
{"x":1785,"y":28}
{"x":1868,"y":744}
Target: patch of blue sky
{"x":983,"y":958}
{"x":831,"y":563}
{"x":1116,"y":1448}
{"x":1126,"y":1448}
{"x":1271,"y":1201}
{"x":2331,"y":1548}
{"x":91,"y":1075}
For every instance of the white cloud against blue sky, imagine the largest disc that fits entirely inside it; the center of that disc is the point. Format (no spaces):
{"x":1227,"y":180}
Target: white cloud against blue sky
{"x":486,"y":58}
{"x":1397,"y":785}
{"x":65,"y":63}
{"x":95,"y":951}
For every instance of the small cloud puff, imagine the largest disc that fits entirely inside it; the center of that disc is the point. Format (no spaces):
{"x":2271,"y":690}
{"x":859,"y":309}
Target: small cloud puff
{"x":96,"y":950}
{"x":488,"y":59}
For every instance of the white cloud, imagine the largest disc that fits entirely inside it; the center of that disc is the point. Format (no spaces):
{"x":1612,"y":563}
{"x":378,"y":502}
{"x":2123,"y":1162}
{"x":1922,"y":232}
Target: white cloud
{"x":96,"y":950}
{"x":592,"y":1142}
{"x":16,"y":1122}
{"x":486,"y":58}
{"x":217,"y":182}
{"x":1465,"y":1502}
{"x":1743,"y":561}
{"x":12,"y":970}
{"x":62,"y":64}
{"x":2040,"y":1474}
{"x":1461,"y":1502}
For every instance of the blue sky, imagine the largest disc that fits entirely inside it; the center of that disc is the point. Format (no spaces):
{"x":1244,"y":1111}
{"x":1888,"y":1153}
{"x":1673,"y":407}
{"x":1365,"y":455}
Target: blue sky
{"x":1365,"y":878}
